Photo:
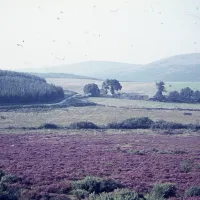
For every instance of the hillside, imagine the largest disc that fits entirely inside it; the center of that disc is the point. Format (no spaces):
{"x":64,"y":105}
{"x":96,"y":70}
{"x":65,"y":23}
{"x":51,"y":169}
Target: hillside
{"x":23,"y":88}
{"x":180,"y":68}
{"x":177,"y":68}
{"x":62,"y":75}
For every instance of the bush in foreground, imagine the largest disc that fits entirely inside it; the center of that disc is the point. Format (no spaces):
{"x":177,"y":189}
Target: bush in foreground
{"x":80,"y":194}
{"x":193,"y":191}
{"x":9,"y":178}
{"x":162,"y":191}
{"x":7,"y":190}
{"x":96,"y":185}
{"x":186,"y":165}
{"x":119,"y":194}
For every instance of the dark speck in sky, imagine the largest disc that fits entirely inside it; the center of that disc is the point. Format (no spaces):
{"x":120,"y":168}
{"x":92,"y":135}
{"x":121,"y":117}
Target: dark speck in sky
{"x":19,"y":45}
{"x":114,"y":10}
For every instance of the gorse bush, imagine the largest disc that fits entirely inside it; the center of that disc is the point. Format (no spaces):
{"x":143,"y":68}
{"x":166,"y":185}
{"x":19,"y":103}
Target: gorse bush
{"x":119,"y":194}
{"x":83,"y":125}
{"x":1,"y":173}
{"x":7,"y":191}
{"x":193,"y":191}
{"x":186,"y":165}
{"x":49,"y":126}
{"x":18,"y":87}
{"x":161,"y":124}
{"x":96,"y":185}
{"x":146,"y":123}
{"x":80,"y":193}
{"x":162,"y":191}
{"x":114,"y":125}
{"x":132,"y":123}
{"x":9,"y":178}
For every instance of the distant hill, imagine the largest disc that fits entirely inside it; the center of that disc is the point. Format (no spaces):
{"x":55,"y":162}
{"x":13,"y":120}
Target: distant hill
{"x":24,"y":88}
{"x":62,"y":75}
{"x":180,"y":68}
{"x":184,"y":67}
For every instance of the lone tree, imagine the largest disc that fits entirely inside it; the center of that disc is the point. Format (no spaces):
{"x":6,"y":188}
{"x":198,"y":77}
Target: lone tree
{"x":92,"y":89}
{"x":112,"y":85}
{"x":160,"y":89}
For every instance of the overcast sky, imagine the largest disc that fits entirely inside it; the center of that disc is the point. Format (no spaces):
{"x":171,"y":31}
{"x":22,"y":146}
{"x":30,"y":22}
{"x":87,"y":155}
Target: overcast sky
{"x":37,"y":33}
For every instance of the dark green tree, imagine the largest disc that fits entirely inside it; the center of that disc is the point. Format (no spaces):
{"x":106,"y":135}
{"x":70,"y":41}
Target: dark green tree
{"x":196,"y":96}
{"x":160,"y":89}
{"x":173,"y":96}
{"x":92,"y":89}
{"x":112,"y":85}
{"x":186,"y":95}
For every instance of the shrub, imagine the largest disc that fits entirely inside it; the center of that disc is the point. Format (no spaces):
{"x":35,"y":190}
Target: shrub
{"x":164,"y":190}
{"x":193,"y":127}
{"x":49,"y":126}
{"x":187,"y":113}
{"x":80,"y":194}
{"x":193,"y":191}
{"x":83,"y":125}
{"x":97,"y":185}
{"x":186,"y":165}
{"x":1,"y":173}
{"x":62,"y":187}
{"x":9,"y":179}
{"x":161,"y":124}
{"x":137,"y":152}
{"x":114,"y":125}
{"x":122,"y":194}
{"x":134,"y":123}
{"x":8,"y":192}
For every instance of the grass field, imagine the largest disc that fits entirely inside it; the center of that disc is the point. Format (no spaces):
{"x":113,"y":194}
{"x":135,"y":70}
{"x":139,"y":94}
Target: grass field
{"x":144,"y":88}
{"x":99,"y":115}
{"x":141,"y":103}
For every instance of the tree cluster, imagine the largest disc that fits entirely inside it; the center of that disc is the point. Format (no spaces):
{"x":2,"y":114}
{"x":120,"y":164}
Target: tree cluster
{"x":111,"y":85}
{"x":186,"y":95}
{"x":26,"y":88}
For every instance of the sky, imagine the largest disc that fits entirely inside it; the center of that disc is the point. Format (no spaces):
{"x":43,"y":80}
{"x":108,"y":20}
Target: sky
{"x":37,"y":33}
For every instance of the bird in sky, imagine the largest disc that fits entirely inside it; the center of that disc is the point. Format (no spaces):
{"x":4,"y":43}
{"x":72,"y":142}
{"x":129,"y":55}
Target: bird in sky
{"x":116,"y":10}
{"x":19,"y":45}
{"x":60,"y":58}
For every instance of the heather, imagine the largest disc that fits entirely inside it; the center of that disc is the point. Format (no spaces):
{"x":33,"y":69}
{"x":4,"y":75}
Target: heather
{"x":53,"y":163}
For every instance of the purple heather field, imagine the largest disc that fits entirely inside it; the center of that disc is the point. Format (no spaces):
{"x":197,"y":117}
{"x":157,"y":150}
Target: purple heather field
{"x":136,"y":160}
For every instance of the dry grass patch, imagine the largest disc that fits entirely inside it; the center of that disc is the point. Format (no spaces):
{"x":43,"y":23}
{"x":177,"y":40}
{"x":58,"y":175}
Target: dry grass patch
{"x":99,"y":115}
